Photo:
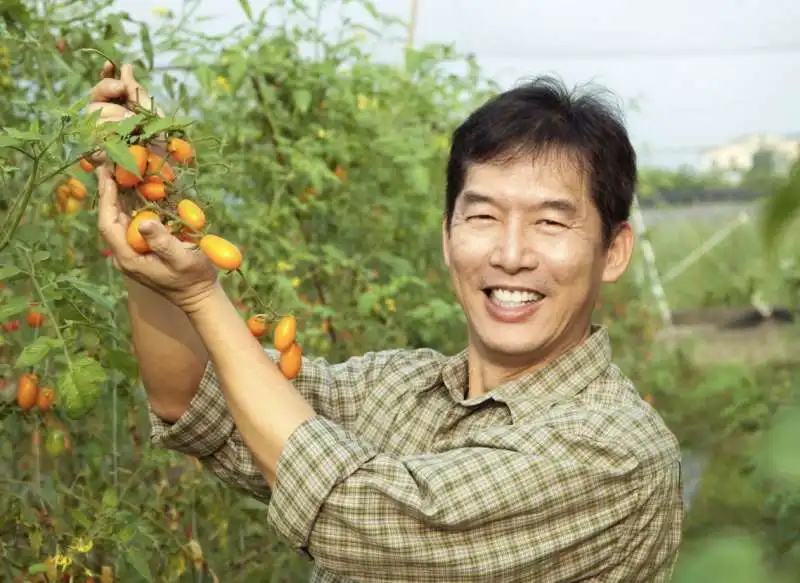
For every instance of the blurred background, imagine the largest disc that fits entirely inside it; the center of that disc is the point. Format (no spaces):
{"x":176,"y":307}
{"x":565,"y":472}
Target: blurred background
{"x":361,"y":98}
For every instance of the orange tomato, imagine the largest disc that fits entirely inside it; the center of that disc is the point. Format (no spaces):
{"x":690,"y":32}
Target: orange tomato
{"x":134,"y":237}
{"x":157,"y":166}
{"x":285,"y":333}
{"x":63,"y":194}
{"x":291,"y":361}
{"x":152,"y":188}
{"x":221,"y":252}
{"x":27,"y":391}
{"x":35,"y":318}
{"x":126,"y":178}
{"x":86,"y":165}
{"x":191,"y":214}
{"x":257,"y":325}
{"x":76,"y":188}
{"x":71,"y":206}
{"x":47,"y":396}
{"x":341,"y":173}
{"x":181,"y":150}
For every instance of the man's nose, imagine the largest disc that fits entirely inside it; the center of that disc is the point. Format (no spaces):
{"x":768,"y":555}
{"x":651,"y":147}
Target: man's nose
{"x":513,"y":250}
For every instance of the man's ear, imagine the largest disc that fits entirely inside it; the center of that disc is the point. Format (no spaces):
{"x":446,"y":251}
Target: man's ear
{"x":619,"y":253}
{"x":445,"y":242}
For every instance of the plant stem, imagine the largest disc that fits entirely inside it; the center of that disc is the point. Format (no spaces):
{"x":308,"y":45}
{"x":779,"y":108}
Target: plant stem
{"x":23,"y":200}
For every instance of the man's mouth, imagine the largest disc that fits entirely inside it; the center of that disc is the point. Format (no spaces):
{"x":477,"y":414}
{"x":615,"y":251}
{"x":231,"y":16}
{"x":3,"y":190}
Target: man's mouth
{"x":513,"y":297}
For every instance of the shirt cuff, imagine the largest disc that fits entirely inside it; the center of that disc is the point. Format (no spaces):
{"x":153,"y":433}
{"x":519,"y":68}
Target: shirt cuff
{"x":317,"y":456}
{"x":204,"y":428}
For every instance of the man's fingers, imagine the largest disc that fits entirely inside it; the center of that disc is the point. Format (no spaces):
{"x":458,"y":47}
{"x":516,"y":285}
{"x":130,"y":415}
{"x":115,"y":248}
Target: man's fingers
{"x":137,"y":93}
{"x":108,"y":89}
{"x":109,"y":111}
{"x":108,"y":212}
{"x":108,"y":70}
{"x":161,"y":241}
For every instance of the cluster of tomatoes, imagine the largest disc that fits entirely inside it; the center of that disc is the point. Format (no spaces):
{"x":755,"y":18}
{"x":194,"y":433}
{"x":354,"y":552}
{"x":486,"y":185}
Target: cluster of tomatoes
{"x":153,"y":185}
{"x":71,"y":193}
{"x":284,"y":340}
{"x":29,"y":393}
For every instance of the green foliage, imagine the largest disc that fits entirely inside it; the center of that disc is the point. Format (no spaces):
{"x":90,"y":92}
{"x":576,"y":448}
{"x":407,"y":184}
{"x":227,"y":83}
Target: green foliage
{"x":328,"y":172}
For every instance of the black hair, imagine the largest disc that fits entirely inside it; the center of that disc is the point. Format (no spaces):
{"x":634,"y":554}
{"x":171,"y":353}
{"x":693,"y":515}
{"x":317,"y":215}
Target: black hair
{"x":544,"y":117}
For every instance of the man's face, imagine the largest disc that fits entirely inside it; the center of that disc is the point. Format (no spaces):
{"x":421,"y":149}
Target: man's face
{"x":526,"y":257}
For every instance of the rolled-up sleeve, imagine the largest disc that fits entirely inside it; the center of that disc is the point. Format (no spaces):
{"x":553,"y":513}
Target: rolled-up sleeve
{"x":478,"y":513}
{"x":208,"y":432}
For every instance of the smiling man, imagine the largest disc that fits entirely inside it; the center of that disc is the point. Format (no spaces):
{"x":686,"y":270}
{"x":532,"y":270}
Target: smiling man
{"x":528,"y":456}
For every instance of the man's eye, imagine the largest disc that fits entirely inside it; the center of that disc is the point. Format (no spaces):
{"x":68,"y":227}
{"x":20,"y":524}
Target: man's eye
{"x":549,"y":223}
{"x":481,"y":217}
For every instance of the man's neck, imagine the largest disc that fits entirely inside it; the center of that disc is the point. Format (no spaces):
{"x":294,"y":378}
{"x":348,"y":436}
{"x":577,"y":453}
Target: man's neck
{"x":487,"y":371}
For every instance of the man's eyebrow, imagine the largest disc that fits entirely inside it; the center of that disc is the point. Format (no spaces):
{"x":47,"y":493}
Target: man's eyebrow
{"x":563,"y":205}
{"x":469,"y":197}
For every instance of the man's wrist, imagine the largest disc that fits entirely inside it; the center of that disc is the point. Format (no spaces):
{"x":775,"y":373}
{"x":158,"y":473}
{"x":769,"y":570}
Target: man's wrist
{"x":206,"y":304}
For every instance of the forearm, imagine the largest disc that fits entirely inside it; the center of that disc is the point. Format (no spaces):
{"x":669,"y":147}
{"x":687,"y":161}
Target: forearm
{"x":169,"y":350}
{"x":265,"y":406}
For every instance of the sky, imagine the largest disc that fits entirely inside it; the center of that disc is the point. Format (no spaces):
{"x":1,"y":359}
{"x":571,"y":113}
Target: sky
{"x":693,"y":74}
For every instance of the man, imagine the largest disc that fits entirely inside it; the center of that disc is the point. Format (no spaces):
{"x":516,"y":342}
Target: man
{"x":527,"y":457}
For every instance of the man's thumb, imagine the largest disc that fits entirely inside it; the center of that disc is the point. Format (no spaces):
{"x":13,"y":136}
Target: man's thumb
{"x":158,"y":238}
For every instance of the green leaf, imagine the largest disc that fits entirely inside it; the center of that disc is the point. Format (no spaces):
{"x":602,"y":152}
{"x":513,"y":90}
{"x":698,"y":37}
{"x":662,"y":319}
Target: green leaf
{"x":110,"y":499}
{"x":302,"y":100}
{"x":79,"y":386}
{"x":127,"y":125}
{"x":23,"y":136}
{"x":247,"y":10}
{"x":8,"y":271}
{"x":12,"y":307}
{"x":38,"y":568}
{"x":90,"y":290}
{"x":35,"y":352}
{"x":135,"y":558}
{"x":119,"y":154}
{"x":81,"y":518}
{"x":147,"y":44}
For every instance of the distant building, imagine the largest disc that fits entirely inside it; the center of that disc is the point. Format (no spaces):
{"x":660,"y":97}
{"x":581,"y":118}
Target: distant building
{"x":736,"y":157}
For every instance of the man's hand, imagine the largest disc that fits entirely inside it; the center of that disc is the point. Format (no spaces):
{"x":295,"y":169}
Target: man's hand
{"x":176,"y":270}
{"x":116,"y":99}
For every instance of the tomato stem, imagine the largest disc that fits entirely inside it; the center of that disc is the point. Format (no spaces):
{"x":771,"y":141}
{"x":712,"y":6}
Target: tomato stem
{"x":16,"y":215}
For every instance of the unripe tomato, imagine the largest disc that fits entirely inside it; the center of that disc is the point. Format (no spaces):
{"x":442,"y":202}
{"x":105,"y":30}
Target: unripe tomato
{"x":191,"y":214}
{"x":134,"y":237}
{"x":55,"y":442}
{"x":221,"y":252}
{"x":27,"y":391}
{"x":291,"y":361}
{"x":285,"y":333}
{"x":126,"y":178}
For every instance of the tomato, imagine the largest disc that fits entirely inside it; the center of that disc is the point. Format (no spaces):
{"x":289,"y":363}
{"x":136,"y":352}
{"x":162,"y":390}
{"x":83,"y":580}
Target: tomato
{"x":181,"y":150}
{"x":12,"y":326}
{"x":126,"y":178}
{"x":35,"y":318}
{"x":152,"y":188}
{"x":76,"y":188}
{"x":71,"y":206}
{"x":191,"y":214}
{"x":221,"y":252}
{"x":86,"y":165}
{"x":157,"y":166}
{"x":134,"y":237}
{"x":291,"y":361}
{"x":46,"y":398}
{"x":257,"y":325}
{"x":341,"y":174}
{"x":27,"y":391}
{"x":55,"y":442}
{"x":285,"y":333}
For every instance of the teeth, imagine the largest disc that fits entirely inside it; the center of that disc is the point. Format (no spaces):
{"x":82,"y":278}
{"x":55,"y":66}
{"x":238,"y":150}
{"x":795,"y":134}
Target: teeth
{"x":512,"y":298}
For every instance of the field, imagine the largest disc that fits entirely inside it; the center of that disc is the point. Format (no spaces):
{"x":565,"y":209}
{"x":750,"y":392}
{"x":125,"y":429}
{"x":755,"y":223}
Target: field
{"x":300,"y":162}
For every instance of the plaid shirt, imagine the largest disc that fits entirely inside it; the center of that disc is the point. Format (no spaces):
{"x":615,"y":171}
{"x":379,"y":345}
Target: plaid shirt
{"x":565,"y":474}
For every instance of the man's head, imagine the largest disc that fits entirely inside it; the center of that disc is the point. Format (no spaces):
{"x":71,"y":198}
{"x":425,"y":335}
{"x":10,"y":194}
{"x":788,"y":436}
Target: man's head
{"x":539,"y":187}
